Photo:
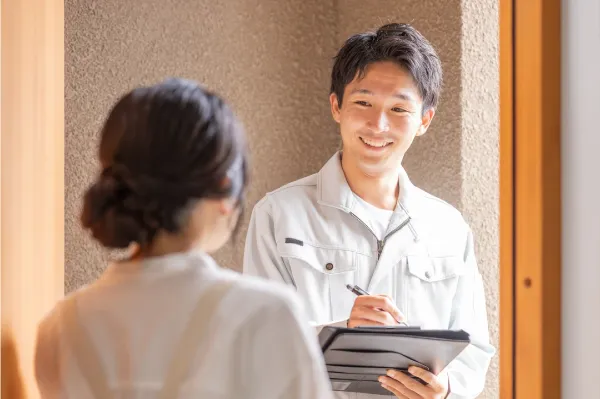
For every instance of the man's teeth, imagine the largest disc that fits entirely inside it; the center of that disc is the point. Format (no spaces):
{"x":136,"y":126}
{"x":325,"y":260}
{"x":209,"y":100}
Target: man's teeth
{"x":375,"y":143}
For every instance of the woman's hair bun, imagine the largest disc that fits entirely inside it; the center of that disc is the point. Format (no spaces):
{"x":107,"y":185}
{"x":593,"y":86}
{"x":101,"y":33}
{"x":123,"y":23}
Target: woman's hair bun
{"x":114,"y":214}
{"x":162,"y":148}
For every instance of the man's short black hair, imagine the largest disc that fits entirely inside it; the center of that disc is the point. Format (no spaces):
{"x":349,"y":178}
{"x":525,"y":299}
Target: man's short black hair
{"x":399,"y":43}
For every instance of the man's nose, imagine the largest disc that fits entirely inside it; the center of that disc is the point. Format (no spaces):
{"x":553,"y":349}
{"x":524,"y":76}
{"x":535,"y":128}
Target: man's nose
{"x":382,"y":124}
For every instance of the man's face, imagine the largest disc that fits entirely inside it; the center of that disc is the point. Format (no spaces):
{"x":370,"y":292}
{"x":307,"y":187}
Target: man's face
{"x":379,"y":118}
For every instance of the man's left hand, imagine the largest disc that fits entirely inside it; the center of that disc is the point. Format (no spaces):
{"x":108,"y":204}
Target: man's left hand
{"x":404,"y":387}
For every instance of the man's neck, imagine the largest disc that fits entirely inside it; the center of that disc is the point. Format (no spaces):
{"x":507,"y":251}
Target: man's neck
{"x":380,"y":190}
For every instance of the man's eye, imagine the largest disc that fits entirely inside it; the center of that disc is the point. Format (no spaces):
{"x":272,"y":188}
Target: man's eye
{"x":363,"y":103}
{"x":396,"y":109}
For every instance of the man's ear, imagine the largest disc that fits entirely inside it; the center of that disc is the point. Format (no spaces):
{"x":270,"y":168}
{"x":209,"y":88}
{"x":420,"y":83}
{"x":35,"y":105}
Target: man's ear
{"x":426,"y":121}
{"x":335,"y":107}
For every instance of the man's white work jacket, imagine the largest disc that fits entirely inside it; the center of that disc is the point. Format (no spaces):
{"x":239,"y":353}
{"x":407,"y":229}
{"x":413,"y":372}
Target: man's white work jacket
{"x":311,"y":234}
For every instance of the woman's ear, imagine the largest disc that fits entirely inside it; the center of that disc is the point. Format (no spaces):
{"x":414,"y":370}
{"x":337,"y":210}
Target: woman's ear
{"x":227,"y":206}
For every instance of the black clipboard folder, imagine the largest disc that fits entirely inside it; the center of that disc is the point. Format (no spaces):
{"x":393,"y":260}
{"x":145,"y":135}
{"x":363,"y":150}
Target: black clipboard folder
{"x":357,"y":357}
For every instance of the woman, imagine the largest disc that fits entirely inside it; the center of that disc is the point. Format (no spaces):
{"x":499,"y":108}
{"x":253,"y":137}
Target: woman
{"x":168,"y":322}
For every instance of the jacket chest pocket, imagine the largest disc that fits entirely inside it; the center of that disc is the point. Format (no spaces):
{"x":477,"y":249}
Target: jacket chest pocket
{"x":430,"y":287}
{"x":320,"y":276}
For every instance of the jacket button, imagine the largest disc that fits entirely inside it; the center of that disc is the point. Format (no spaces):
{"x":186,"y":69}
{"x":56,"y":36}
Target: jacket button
{"x":329,"y":266}
{"x":427,"y":275}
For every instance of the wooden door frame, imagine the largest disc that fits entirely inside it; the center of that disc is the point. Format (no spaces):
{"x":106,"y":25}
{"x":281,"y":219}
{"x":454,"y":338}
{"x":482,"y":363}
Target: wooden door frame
{"x":530,"y":227}
{"x":32,"y":184}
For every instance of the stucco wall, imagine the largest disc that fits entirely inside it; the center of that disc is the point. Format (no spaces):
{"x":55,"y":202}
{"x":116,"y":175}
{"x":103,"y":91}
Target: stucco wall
{"x":271,"y":60}
{"x":480,"y":152}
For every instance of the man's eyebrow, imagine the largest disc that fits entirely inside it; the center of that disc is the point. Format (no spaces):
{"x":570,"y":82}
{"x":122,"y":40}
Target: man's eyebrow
{"x":404,"y":96}
{"x":400,"y":95}
{"x":362,"y":91}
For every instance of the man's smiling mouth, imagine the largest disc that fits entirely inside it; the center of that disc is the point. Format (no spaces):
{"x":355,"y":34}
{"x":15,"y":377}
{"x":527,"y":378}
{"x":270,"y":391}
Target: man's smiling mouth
{"x":377,"y":143}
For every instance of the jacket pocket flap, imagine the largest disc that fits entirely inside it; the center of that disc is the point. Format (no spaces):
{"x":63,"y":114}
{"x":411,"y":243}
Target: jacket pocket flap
{"x":325,"y":260}
{"x":435,"y":269}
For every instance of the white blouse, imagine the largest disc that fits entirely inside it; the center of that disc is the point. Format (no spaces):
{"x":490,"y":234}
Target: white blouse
{"x":260,"y":345}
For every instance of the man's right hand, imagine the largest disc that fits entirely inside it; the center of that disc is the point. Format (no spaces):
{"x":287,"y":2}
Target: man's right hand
{"x":374,"y":310}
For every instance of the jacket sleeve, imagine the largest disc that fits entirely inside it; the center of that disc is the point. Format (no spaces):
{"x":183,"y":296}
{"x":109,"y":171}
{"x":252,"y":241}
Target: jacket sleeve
{"x":261,"y":257}
{"x":468,"y":371}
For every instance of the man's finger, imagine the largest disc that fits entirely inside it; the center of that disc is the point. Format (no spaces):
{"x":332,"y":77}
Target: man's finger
{"x":422,"y":374}
{"x":394,"y":391}
{"x":355,"y":322}
{"x":409,"y":383}
{"x":396,"y":314}
{"x":397,"y":388}
{"x":375,"y":301}
{"x":374,"y":315}
{"x":380,"y":302}
{"x":426,"y":376}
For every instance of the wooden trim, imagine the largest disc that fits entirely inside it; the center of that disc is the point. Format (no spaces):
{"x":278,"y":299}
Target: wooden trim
{"x":506,"y":201}
{"x":537,"y":199}
{"x":32,"y":167}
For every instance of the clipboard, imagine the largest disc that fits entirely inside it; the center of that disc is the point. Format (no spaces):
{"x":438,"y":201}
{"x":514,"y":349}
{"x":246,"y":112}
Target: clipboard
{"x":356,"y":357}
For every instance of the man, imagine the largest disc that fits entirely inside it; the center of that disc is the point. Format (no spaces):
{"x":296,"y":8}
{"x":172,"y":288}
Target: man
{"x":360,"y":220}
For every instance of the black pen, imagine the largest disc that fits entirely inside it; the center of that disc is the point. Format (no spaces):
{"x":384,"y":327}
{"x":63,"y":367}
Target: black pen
{"x":359,"y":291}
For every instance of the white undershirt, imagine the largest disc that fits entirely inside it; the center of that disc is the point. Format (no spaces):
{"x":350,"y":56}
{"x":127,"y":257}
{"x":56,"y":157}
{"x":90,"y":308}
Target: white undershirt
{"x":379,"y":219}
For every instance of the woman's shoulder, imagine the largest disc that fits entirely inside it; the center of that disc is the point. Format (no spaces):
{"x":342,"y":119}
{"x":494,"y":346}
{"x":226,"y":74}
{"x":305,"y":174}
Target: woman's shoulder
{"x":50,"y":324}
{"x":257,"y":294}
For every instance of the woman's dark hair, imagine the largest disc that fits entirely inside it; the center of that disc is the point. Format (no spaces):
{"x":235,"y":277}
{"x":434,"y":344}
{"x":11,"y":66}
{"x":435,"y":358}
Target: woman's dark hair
{"x":162,"y":148}
{"x":399,"y":43}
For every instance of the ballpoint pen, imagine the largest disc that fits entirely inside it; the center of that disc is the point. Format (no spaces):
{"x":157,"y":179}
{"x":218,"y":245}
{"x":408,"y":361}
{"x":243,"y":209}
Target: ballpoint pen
{"x":359,"y":291}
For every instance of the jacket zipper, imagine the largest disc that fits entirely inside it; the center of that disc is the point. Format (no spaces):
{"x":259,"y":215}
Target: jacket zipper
{"x":381,"y":243}
{"x":407,"y":221}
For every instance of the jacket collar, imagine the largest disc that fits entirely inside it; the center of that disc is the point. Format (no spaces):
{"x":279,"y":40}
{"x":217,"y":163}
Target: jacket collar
{"x":332,"y":186}
{"x":334,"y":191}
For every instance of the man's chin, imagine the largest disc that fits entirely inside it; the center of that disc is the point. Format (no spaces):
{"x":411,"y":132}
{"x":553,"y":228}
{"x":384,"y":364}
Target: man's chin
{"x":378,"y":167}
{"x":372,"y":165}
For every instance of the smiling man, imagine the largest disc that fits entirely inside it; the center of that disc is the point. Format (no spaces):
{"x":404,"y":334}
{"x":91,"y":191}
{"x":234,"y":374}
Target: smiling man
{"x":360,"y":220}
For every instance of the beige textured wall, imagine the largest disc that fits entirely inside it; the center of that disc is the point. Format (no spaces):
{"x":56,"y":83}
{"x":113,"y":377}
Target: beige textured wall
{"x":271,"y":60}
{"x":480,"y":151}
